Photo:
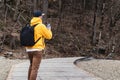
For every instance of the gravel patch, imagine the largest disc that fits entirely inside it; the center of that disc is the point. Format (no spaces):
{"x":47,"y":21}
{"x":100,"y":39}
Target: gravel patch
{"x":5,"y":66}
{"x":105,"y":69}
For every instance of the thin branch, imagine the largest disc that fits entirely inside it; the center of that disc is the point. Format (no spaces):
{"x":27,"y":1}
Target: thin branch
{"x":10,"y":7}
{"x":6,"y":15}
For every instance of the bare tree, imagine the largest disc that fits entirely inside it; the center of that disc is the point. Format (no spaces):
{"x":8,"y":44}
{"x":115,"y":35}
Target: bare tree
{"x":84,"y":2}
{"x":59,"y":14}
{"x":45,"y":9}
{"x":35,"y":5}
{"x":94,"y":22}
{"x":102,"y":14}
{"x":16,"y":10}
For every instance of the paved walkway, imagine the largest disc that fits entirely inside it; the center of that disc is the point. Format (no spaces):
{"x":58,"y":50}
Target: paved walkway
{"x":52,"y":69}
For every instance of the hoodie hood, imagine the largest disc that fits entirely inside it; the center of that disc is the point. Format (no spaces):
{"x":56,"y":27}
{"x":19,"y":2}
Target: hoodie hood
{"x":35,"y":20}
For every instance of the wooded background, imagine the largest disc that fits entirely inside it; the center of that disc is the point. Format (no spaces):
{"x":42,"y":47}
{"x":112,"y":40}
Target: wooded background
{"x":80,"y":27}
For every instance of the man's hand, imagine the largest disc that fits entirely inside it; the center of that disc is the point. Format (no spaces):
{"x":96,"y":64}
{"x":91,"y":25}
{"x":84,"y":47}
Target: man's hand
{"x":49,"y":26}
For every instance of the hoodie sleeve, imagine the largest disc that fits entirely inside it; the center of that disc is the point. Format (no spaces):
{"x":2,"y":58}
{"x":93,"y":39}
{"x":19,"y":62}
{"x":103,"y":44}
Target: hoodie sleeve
{"x":46,"y":33}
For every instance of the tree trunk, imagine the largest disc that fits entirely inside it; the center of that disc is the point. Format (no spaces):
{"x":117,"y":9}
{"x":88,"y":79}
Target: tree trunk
{"x":35,"y":5}
{"x":4,"y":1}
{"x":59,"y":15}
{"x":101,"y":21}
{"x":45,"y":9}
{"x":6,"y":16}
{"x":102,"y":15}
{"x":94,"y":23}
{"x":111,"y":22}
{"x":16,"y":10}
{"x":111,"y":18}
{"x":84,"y":4}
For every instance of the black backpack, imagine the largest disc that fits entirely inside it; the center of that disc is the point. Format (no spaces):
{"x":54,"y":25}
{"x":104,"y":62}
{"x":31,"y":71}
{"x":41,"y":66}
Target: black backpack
{"x":27,"y":36}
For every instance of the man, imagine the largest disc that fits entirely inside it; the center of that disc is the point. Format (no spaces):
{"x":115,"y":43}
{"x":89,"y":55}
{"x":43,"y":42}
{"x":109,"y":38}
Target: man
{"x":35,"y":52}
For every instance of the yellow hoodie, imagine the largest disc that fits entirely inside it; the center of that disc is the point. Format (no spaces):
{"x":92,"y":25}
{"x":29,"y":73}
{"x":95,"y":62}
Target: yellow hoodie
{"x":40,"y":31}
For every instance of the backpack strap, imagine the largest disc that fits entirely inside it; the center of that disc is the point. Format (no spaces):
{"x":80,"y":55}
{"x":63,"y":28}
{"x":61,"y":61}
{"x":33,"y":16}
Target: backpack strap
{"x":38,"y":40}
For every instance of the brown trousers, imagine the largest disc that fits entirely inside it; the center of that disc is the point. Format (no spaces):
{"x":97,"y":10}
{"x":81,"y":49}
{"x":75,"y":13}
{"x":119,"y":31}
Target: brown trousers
{"x":35,"y":60}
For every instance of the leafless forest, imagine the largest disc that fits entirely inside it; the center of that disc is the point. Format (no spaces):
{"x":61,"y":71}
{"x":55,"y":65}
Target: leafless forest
{"x":80,"y":27}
